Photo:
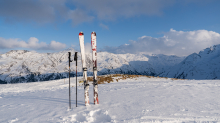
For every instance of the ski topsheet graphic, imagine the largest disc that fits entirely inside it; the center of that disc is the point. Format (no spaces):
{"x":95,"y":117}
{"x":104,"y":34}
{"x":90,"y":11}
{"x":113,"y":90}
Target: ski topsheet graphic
{"x":94,"y":59}
{"x":86,"y":85}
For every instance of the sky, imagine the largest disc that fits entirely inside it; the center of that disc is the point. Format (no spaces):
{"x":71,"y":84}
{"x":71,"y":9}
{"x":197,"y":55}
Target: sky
{"x":170,"y":27}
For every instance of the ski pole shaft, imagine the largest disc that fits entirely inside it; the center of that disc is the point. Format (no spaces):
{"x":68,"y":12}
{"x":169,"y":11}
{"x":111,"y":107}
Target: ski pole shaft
{"x":75,"y":59}
{"x":69,"y":81}
{"x":76,"y":85}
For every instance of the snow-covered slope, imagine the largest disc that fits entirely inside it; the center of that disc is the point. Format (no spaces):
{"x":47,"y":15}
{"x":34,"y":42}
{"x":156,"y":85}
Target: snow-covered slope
{"x":19,"y":66}
{"x":205,"y":65}
{"x":24,"y":66}
{"x":139,"y":100}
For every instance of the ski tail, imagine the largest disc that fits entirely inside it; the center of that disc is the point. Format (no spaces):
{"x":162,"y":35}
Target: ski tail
{"x":94,"y":59}
{"x":86,"y":85}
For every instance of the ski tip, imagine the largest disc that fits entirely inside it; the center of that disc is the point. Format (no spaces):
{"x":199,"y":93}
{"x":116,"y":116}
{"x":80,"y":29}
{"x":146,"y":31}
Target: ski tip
{"x":94,"y":33}
{"x":81,"y":33}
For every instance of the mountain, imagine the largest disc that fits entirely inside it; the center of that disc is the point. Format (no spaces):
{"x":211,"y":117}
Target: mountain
{"x":204,"y":65}
{"x":18,"y":66}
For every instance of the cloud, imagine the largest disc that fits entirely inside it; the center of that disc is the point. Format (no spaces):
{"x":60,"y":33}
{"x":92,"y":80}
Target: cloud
{"x":47,"y":11}
{"x":56,"y":45}
{"x":172,"y":43}
{"x":33,"y":43}
{"x":78,"y":16}
{"x":79,"y":11}
{"x":39,"y":11}
{"x":103,"y":26}
{"x":112,"y":9}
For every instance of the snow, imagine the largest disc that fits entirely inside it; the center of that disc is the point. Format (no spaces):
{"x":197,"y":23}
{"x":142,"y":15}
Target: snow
{"x":204,"y":65}
{"x":132,"y":100}
{"x":19,"y":66}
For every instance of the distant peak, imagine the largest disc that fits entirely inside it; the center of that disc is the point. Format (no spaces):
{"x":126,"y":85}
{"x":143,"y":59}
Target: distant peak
{"x":210,"y":50}
{"x":17,"y":51}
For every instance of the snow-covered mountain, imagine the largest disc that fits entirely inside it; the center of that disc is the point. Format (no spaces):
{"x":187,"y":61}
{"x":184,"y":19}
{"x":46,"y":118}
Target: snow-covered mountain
{"x":27,"y":66}
{"x":135,"y":63}
{"x":205,"y":65}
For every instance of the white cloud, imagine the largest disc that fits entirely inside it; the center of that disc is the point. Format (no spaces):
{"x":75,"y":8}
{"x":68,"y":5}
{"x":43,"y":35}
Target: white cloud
{"x":112,"y":9}
{"x":56,"y":45}
{"x":47,"y":11}
{"x":40,"y":11}
{"x":103,"y":26}
{"x":172,"y":43}
{"x":79,"y":11}
{"x":33,"y":43}
{"x":78,"y":16}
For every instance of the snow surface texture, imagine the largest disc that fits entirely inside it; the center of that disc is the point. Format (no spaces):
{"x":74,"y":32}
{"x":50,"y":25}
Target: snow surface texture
{"x":18,"y":66}
{"x":132,"y":100}
{"x":205,"y":65}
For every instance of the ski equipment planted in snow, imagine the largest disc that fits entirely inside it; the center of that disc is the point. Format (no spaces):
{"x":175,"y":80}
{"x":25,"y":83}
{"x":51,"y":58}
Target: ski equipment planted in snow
{"x":75,"y":59}
{"x":69,"y":80}
{"x":94,"y":59}
{"x":86,"y":85}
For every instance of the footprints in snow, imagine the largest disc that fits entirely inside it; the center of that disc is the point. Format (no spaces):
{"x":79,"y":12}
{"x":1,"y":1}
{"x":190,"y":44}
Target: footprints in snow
{"x":96,"y":116}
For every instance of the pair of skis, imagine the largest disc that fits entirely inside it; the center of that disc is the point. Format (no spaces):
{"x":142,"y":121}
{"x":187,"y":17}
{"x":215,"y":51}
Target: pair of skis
{"x":94,"y":59}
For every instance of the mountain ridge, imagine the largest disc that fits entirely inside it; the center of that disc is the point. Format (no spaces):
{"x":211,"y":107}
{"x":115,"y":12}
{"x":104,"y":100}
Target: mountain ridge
{"x":204,"y":65}
{"x":28,"y":66}
{"x":18,"y":66}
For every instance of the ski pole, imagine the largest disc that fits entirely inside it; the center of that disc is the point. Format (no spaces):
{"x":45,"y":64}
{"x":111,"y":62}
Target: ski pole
{"x":75,"y":59}
{"x":69,"y":80}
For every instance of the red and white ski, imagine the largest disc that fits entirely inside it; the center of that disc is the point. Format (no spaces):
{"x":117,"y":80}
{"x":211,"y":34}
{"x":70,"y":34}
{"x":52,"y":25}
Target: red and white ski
{"x":94,"y":59}
{"x":86,"y":85}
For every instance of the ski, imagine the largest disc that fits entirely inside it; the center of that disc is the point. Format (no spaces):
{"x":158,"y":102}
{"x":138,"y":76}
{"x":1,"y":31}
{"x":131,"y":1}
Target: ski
{"x":86,"y":85}
{"x":94,"y":59}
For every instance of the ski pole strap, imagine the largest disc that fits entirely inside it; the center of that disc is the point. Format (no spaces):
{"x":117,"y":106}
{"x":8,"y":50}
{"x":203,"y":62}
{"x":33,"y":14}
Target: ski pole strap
{"x":70,"y":57}
{"x":75,"y":57}
{"x":84,"y":69}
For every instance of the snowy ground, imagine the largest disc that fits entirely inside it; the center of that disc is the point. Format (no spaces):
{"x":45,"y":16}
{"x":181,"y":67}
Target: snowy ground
{"x":132,"y":100}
